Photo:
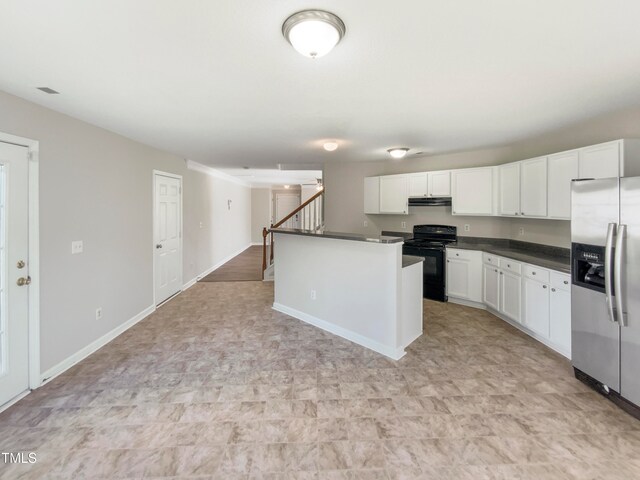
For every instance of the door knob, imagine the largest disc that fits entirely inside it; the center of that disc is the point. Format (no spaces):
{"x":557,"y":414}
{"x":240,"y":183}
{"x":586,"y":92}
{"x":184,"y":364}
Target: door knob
{"x":24,"y":281}
{"x":159,"y":245}
{"x":20,"y":264}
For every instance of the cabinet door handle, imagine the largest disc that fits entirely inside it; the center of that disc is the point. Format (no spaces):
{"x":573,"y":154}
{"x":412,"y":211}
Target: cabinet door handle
{"x":553,"y":289}
{"x":516,"y":213}
{"x":566,"y":282}
{"x":544,"y":286}
{"x":501,"y":273}
{"x":448,"y":261}
{"x":533,"y":273}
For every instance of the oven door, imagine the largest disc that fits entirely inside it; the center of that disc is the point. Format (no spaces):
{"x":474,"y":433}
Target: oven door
{"x":432,"y":271}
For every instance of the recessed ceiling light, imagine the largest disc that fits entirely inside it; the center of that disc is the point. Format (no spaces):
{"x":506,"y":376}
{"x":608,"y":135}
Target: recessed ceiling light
{"x":330,"y":146}
{"x":398,"y":152}
{"x":313,"y":33}
{"x":48,"y":90}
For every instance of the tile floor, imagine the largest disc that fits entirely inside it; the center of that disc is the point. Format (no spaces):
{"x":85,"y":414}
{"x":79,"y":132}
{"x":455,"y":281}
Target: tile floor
{"x":217,"y":385}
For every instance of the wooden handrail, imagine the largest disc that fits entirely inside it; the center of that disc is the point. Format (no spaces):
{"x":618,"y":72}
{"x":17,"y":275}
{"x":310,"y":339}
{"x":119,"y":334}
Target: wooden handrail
{"x":269,"y":231}
{"x":298,"y":209}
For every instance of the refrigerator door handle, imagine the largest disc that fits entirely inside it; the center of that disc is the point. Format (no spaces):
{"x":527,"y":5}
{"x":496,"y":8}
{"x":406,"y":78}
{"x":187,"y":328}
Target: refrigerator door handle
{"x":617,"y":275}
{"x":608,"y":262}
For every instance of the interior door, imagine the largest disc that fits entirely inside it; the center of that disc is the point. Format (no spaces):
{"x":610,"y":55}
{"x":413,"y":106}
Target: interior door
{"x":630,"y":330}
{"x":14,"y":271}
{"x":285,"y":204}
{"x":167,"y":236}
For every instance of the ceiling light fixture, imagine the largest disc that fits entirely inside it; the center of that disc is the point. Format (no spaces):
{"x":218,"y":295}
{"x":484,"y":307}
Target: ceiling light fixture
{"x":287,"y":186}
{"x":330,"y":146}
{"x":398,"y":152}
{"x":313,"y":33}
{"x":48,"y":90}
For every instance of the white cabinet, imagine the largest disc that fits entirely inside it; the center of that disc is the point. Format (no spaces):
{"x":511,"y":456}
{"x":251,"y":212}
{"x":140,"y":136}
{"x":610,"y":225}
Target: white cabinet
{"x":533,"y":187}
{"x":509,"y":196}
{"x":372,"y":195}
{"x":418,"y":184}
{"x":562,"y":168}
{"x":439,"y":184}
{"x":560,"y":312}
{"x":491,"y":295}
{"x":600,"y":161}
{"x":463,"y":276}
{"x":394,"y":194}
{"x":510,"y":294}
{"x":472,"y":191}
{"x":536,"y":306}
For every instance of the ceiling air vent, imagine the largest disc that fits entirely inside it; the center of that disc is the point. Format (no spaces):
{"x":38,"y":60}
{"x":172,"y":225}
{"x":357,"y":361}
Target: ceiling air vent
{"x":48,"y":90}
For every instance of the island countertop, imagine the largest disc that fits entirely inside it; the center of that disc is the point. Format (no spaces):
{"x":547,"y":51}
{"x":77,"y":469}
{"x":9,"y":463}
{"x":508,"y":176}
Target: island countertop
{"x":339,"y":235}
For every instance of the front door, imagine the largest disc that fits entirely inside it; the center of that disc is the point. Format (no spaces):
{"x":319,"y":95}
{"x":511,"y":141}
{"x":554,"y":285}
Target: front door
{"x":14,"y":271}
{"x":167,"y":236}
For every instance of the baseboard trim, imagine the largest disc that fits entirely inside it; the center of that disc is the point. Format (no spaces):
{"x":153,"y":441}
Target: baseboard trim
{"x":93,"y":346}
{"x":394,"y":354}
{"x":193,"y":281}
{"x":259,"y":244}
{"x":467,"y":303}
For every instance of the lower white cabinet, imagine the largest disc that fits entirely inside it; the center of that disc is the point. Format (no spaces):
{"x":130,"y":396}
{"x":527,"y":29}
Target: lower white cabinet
{"x":536,"y":306}
{"x":502,"y":286}
{"x":510,"y":295}
{"x":491,"y":294}
{"x":560,"y":311}
{"x":464,"y":274}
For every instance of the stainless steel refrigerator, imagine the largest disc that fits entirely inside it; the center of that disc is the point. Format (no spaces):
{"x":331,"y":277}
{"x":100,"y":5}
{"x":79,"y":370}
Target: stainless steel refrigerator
{"x":605,"y":292}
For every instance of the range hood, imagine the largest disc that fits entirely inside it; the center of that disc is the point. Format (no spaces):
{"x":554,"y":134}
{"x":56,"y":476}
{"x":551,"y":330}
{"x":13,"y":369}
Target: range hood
{"x":429,"y":201}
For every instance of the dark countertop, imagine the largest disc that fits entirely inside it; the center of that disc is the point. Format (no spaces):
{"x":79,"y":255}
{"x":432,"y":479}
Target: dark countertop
{"x":408,"y":260}
{"x":340,"y":235}
{"x":554,"y":258}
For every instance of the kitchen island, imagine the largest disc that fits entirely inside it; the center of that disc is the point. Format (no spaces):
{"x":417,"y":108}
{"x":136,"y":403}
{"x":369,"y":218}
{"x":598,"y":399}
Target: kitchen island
{"x":357,"y":287}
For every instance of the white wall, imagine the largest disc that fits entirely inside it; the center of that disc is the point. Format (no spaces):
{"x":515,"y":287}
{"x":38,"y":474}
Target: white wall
{"x":344,"y":182}
{"x":96,"y":186}
{"x":260,"y":212}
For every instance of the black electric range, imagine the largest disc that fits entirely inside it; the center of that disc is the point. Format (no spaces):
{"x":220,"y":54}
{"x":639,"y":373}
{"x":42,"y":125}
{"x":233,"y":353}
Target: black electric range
{"x":429,"y":242}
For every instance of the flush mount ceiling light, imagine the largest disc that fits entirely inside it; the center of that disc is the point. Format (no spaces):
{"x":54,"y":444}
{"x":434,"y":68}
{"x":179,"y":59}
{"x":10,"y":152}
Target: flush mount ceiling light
{"x":313,"y":33}
{"x":398,"y":152}
{"x":330,"y":146}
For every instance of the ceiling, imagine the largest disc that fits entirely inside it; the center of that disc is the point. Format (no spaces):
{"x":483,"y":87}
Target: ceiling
{"x":215,"y":81}
{"x":263,"y":177}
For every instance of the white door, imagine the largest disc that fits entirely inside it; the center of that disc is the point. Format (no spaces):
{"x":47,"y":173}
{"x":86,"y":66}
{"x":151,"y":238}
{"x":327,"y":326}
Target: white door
{"x":285,"y":204}
{"x":472,"y":191}
{"x":14,"y":267}
{"x":440,"y":184}
{"x":509,"y":202}
{"x":458,"y":278}
{"x":562,"y":168}
{"x":600,"y":161}
{"x":536,"y":307}
{"x":394,"y":192}
{"x":510,"y":293}
{"x":491,"y":295}
{"x":167,"y":237}
{"x":533,"y":187}
{"x":418,"y":184}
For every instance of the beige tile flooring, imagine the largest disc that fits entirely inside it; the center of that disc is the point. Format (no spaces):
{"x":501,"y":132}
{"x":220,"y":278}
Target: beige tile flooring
{"x":217,"y":385}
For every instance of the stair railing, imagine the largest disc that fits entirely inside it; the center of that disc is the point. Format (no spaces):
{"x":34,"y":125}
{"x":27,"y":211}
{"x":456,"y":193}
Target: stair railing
{"x":312,"y":218}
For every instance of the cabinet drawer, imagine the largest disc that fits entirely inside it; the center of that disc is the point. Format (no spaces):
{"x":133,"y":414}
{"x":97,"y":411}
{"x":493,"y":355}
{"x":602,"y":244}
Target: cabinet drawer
{"x":491,"y":259}
{"x":511,"y":266}
{"x":459,"y":254}
{"x":560,"y":281}
{"x":536,"y":273}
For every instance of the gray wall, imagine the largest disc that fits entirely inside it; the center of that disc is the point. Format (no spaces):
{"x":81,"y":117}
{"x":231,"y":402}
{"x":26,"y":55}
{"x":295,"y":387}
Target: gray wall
{"x":344,"y":183}
{"x":260,"y":212}
{"x":96,"y":186}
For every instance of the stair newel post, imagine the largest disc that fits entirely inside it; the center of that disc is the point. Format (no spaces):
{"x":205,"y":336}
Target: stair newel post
{"x":264,"y":250}
{"x":271,"y":258}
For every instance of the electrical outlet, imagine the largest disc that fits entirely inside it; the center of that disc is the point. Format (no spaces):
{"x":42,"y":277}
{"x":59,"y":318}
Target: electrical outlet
{"x":313,"y":294}
{"x":467,"y":227}
{"x":77,"y":247}
{"x":403,"y":224}
{"x":521,"y":231}
{"x":365,"y":223}
{"x":201,"y":224}
{"x":99,"y":313}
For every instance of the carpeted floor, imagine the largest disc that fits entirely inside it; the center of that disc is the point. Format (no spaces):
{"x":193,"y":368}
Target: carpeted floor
{"x":245,"y":267}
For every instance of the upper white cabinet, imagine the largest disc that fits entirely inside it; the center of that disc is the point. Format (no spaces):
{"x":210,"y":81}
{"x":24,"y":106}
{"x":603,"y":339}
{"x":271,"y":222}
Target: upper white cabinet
{"x":472,"y":191}
{"x":533,"y":187}
{"x":394,"y":192}
{"x":562,"y":168}
{"x":439,"y":184}
{"x":600,"y":161}
{"x":372,"y":195}
{"x":418,"y":184}
{"x":509,"y":193}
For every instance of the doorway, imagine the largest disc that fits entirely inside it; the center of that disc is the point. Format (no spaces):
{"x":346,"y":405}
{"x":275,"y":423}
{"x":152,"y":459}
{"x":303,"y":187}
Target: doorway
{"x":17,"y":339}
{"x":285,"y":204}
{"x":167,"y":235}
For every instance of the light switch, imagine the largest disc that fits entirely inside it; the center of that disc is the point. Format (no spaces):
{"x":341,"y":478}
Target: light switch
{"x":77,"y":247}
